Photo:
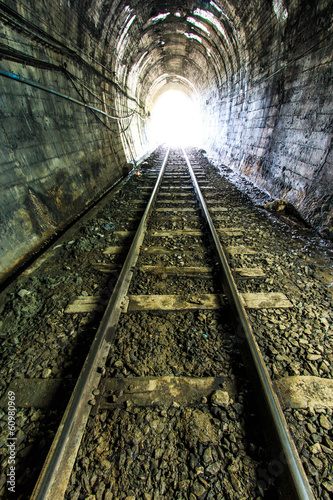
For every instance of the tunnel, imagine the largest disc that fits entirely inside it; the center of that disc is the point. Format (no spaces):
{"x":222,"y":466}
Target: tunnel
{"x":82,"y":79}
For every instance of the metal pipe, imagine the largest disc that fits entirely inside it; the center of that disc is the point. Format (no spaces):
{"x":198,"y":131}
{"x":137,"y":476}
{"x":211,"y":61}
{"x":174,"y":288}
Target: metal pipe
{"x":52,"y":482}
{"x":294,"y":464}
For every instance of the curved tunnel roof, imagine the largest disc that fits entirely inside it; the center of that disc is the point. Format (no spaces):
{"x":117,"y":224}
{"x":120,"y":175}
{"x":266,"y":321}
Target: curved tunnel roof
{"x":196,"y":47}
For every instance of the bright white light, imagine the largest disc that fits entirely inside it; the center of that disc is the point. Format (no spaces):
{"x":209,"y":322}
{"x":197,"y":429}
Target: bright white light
{"x":192,"y":36}
{"x":160,"y":17}
{"x":175,"y":120}
{"x":216,"y":6}
{"x":198,"y":25}
{"x":208,"y":16}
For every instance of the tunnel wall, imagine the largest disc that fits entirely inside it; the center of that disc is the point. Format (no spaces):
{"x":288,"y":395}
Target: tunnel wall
{"x":56,"y":156}
{"x":266,"y":101}
{"x":275,"y":124}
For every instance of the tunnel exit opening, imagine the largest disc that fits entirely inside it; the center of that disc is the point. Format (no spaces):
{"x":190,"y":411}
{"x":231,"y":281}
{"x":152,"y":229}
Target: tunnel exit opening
{"x":175,"y":120}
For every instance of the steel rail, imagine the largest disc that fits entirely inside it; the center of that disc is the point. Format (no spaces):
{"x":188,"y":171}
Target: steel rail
{"x":54,"y":477}
{"x":292,"y":459}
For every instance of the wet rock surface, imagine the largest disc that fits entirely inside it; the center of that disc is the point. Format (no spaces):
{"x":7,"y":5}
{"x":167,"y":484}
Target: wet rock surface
{"x":171,"y":458}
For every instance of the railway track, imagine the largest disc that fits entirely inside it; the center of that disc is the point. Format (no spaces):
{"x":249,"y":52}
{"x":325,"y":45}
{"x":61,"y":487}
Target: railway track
{"x":125,"y":402}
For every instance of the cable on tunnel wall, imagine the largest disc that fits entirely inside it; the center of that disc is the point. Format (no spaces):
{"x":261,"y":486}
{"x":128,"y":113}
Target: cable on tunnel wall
{"x":41,"y":36}
{"x":21,"y":79}
{"x":23,"y":58}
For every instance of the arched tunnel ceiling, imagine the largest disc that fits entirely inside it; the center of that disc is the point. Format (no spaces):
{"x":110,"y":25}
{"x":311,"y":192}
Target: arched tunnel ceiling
{"x":154,"y":46}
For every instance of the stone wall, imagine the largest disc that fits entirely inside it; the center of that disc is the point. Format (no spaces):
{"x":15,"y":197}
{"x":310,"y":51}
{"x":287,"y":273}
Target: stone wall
{"x":262,"y":71}
{"x":275,"y":124}
{"x":56,"y":156}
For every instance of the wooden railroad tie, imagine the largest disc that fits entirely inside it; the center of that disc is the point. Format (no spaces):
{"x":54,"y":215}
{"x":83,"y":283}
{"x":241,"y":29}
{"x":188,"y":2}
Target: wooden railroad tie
{"x":124,"y":234}
{"x":183,"y":195}
{"x":230,"y":231}
{"x":174,"y":302}
{"x":240,"y":249}
{"x":219,"y":209}
{"x":293,"y":392}
{"x":176,"y":232}
{"x":176,"y":209}
{"x":181,"y":188}
{"x":196,"y":272}
{"x":104,"y":267}
{"x":176,"y":218}
{"x":138,"y":202}
{"x":179,"y":232}
{"x":86,"y":304}
{"x":248,"y":272}
{"x":227,"y":231}
{"x":155,"y":250}
{"x":180,"y":202}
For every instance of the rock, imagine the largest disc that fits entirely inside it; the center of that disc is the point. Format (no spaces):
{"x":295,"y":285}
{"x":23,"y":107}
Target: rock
{"x":199,"y":471}
{"x":281,"y":207}
{"x":138,"y":436}
{"x":220,"y":398}
{"x":198,"y":489}
{"x":199,"y":428}
{"x":316,"y":438}
{"x":105,"y":464}
{"x":317,"y":463}
{"x":328,"y":442}
{"x":23,"y":292}
{"x":36,"y":416}
{"x":311,"y":428}
{"x":207,"y":456}
{"x":234,"y":467}
{"x":3,"y":480}
{"x":183,"y":485}
{"x":20,"y":436}
{"x":108,"y":495}
{"x":213,"y":468}
{"x":325,"y":423}
{"x":128,"y":404}
{"x":314,"y":357}
{"x":235,"y":482}
{"x":315,"y":448}
{"x":46,"y":372}
{"x":100,"y":491}
{"x":328,"y":485}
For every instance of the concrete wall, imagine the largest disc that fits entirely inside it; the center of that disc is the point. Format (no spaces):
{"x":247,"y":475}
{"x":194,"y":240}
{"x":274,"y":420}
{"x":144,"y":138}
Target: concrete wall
{"x":275,"y":123}
{"x":56,"y":156}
